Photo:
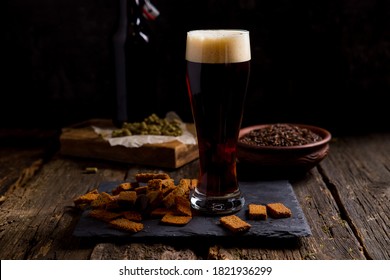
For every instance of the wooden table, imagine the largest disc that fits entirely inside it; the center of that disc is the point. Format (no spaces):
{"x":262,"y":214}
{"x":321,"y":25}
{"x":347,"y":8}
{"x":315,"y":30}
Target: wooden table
{"x":345,"y":200}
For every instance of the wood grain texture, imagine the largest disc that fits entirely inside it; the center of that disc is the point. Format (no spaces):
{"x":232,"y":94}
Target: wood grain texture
{"x":37,"y":221}
{"x":136,"y":251}
{"x":345,"y":200}
{"x":331,"y":236}
{"x":360,"y":185}
{"x":82,"y":141}
{"x":17,"y":166}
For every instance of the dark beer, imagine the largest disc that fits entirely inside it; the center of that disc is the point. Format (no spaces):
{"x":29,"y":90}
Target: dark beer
{"x":217,"y":94}
{"x":218,"y":66}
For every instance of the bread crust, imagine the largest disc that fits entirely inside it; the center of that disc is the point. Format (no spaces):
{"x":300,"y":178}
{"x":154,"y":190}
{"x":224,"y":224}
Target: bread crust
{"x":234,"y":224}
{"x":278,"y":210}
{"x":257,"y":212}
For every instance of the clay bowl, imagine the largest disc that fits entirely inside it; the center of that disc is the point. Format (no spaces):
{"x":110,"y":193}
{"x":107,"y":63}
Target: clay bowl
{"x":281,"y":161}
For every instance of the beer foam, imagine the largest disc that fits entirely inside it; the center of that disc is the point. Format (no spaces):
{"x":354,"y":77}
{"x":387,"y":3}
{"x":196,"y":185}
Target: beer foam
{"x":218,"y":46}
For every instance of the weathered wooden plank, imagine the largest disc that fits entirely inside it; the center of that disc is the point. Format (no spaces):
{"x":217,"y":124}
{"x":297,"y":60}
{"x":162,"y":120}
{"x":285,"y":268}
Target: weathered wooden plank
{"x":22,"y":152}
{"x":345,"y":200}
{"x":331,"y":237}
{"x":360,"y":184}
{"x":17,"y":166}
{"x":137,"y":251}
{"x":219,"y":252}
{"x":36,"y":221}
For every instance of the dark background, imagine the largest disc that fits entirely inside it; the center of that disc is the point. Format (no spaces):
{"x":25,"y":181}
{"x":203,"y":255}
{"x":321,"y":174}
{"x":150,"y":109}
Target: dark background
{"x":324,"y":62}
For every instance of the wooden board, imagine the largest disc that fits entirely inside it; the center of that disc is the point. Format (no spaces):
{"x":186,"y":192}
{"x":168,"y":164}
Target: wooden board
{"x":345,"y":200}
{"x":80,"y":140}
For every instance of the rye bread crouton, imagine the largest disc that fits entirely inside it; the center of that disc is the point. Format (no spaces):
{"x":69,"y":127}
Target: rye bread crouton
{"x":234,"y":223}
{"x":183,"y":206}
{"x":159,"y":212}
{"x":257,"y":212}
{"x":154,"y":185}
{"x":126,"y":186}
{"x":155,"y":199}
{"x":175,"y":220}
{"x":169,"y":200}
{"x":145,"y":177}
{"x":103,"y":200}
{"x":127,"y":198}
{"x":278,"y":210}
{"x":127,"y":225}
{"x":86,"y":199}
{"x":103,"y":215}
{"x":132,"y":215}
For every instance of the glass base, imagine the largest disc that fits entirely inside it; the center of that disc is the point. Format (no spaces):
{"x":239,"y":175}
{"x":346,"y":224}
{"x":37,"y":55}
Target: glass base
{"x":217,"y":205}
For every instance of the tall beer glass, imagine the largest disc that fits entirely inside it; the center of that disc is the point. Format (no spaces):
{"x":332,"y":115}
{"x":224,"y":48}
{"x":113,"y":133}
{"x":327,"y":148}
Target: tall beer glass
{"x":218,"y":66}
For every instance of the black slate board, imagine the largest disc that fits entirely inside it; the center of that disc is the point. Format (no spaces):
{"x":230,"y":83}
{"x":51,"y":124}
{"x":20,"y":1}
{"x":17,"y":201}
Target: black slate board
{"x":208,"y":226}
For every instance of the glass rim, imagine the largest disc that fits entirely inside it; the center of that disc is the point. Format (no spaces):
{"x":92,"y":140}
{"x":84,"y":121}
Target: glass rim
{"x":212,"y":31}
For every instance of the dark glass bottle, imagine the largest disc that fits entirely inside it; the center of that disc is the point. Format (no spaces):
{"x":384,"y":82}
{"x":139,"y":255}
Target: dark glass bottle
{"x":134,"y":59}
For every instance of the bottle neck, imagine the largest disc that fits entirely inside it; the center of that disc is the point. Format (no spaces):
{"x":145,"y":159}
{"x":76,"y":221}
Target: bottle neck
{"x":137,"y":23}
{"x":142,"y":10}
{"x":134,"y":9}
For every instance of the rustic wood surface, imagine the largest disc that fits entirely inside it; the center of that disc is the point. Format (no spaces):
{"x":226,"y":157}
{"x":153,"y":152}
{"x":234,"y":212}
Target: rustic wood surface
{"x":345,"y":200}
